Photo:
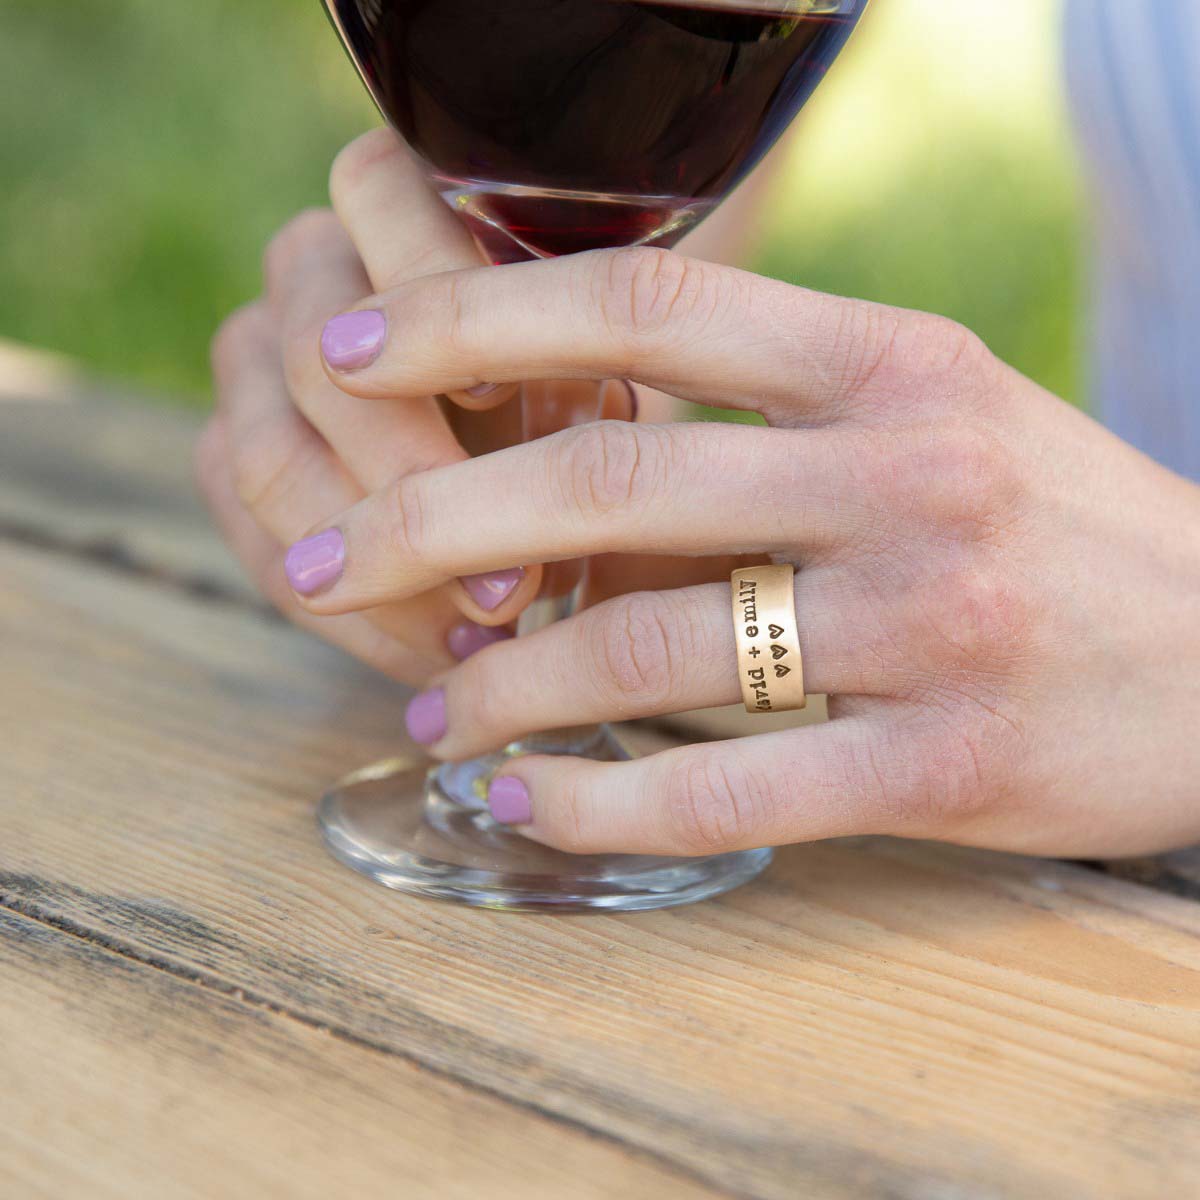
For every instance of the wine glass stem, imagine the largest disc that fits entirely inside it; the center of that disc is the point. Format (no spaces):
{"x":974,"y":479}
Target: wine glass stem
{"x":545,"y":410}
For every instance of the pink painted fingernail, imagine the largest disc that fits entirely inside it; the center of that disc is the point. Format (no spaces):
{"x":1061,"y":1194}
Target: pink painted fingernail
{"x":482,"y":389}
{"x":353,"y":340}
{"x":425,"y":717}
{"x":316,"y":562}
{"x":469,"y":638}
{"x":490,"y":590}
{"x":508,"y":801}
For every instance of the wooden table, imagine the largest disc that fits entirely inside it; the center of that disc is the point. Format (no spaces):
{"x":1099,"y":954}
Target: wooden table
{"x":197,"y":1001}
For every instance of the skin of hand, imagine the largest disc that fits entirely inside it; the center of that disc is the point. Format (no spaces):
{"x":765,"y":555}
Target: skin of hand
{"x":286,"y":449}
{"x":1001,"y":599}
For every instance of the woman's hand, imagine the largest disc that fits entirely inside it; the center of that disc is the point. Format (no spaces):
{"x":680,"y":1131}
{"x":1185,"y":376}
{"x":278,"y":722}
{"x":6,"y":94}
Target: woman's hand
{"x":286,"y":449}
{"x":1001,"y":599}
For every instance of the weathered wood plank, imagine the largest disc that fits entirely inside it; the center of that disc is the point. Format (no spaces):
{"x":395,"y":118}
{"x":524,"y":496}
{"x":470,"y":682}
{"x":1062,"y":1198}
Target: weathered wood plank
{"x":126,"y":1081}
{"x":872,"y":1019}
{"x":111,"y":481}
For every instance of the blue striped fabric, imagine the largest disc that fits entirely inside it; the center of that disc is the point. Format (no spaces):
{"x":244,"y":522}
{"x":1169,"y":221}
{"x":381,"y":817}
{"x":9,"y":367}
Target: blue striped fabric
{"x":1133,"y":68}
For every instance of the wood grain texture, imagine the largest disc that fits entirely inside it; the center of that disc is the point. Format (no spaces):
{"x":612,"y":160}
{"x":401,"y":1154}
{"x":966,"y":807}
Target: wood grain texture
{"x":111,"y":482}
{"x":124,"y":1081}
{"x":873,"y":1019}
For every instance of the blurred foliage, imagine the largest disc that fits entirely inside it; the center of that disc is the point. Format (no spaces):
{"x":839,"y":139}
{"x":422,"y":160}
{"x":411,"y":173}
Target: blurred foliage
{"x":147,"y":151}
{"x":936,"y":171}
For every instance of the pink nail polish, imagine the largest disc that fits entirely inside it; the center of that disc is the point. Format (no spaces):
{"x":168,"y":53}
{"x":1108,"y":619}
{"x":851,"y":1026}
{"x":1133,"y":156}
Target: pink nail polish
{"x":508,"y":801}
{"x":316,"y":562}
{"x":469,"y":638}
{"x":425,"y":717}
{"x":353,"y":340}
{"x":491,"y":589}
{"x":482,"y":389}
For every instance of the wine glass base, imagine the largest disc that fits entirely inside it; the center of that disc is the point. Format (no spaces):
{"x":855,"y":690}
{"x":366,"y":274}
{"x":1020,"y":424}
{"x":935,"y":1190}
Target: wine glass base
{"x":395,"y":823}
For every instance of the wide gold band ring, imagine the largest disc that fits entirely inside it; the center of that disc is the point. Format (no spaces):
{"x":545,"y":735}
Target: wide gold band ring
{"x":770,"y":668}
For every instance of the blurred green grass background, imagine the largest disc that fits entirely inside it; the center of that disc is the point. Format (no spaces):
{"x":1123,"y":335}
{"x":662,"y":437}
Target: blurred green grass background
{"x":148,"y":150}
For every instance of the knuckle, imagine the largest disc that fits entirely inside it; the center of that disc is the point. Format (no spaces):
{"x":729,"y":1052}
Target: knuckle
{"x":959,"y":476}
{"x":448,"y":310}
{"x":610,"y":465}
{"x":945,"y":775}
{"x":714,"y":803}
{"x":568,"y":818}
{"x":862,"y":346}
{"x":641,"y":291}
{"x":237,"y":337}
{"x":267,"y":465}
{"x":636,"y":653}
{"x":978,"y":625}
{"x":936,"y":345}
{"x":296,"y":239}
{"x":356,"y":162}
{"x":410,"y":524}
{"x":301,"y":362}
{"x":483,"y":696}
{"x":454,"y":314}
{"x":954,"y":479}
{"x":975,"y":478}
{"x":919,"y":357}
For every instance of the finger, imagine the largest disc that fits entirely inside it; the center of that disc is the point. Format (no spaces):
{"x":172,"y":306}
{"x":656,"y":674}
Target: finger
{"x":642,"y":655}
{"x":286,"y":478}
{"x":849,"y":776}
{"x":376,"y":441}
{"x":399,"y":225}
{"x":694,"y":329}
{"x":312,"y":270}
{"x":260,"y":556}
{"x":283,"y":470}
{"x":597,"y":489}
{"x":401,"y":228}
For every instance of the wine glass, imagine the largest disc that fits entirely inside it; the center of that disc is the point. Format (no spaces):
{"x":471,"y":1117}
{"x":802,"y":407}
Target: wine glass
{"x":551,"y":127}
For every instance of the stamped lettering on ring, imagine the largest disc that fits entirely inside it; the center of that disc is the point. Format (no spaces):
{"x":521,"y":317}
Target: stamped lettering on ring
{"x":757,"y":675}
{"x":768,"y":649}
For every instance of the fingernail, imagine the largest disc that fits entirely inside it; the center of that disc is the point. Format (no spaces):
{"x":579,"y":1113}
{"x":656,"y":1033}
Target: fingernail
{"x":491,"y":589}
{"x":482,"y":389}
{"x":425,"y":717}
{"x":469,"y":638}
{"x":316,"y":562}
{"x":354,"y":339}
{"x":508,"y":801}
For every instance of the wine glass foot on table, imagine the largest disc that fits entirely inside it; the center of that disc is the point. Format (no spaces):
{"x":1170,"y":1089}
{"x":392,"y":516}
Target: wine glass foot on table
{"x":429,"y":832}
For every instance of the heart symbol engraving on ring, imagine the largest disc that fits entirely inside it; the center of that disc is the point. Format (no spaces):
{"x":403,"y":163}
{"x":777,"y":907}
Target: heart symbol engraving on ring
{"x":776,"y":632}
{"x":781,"y":670}
{"x":778,"y":652}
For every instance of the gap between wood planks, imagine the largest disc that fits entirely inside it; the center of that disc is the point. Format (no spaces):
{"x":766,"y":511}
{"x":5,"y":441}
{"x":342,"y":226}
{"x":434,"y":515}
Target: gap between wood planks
{"x":207,"y":982}
{"x":112,"y":555}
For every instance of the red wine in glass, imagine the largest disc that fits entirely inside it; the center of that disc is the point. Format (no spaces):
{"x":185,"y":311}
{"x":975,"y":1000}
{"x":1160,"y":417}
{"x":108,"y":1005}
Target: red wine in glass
{"x":564,"y":125}
{"x":552,"y":127}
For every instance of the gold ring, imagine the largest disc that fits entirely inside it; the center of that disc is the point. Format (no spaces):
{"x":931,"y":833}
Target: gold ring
{"x":770,"y":667}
